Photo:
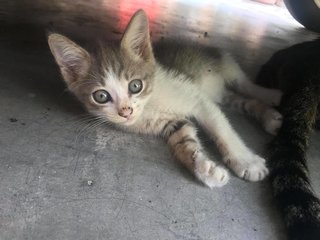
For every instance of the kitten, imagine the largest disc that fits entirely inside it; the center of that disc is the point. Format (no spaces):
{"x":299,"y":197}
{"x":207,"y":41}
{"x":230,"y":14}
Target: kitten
{"x":157,"y":92}
{"x":296,"y":71}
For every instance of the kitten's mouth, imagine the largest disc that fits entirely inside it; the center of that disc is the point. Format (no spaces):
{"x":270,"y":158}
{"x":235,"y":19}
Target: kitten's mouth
{"x":129,"y":120}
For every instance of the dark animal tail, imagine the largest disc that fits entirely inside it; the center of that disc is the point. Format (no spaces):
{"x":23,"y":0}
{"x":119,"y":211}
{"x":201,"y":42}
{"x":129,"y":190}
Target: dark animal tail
{"x":289,"y":174}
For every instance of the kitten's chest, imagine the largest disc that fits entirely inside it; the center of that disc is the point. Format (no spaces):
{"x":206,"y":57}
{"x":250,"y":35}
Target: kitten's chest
{"x":174,"y":97}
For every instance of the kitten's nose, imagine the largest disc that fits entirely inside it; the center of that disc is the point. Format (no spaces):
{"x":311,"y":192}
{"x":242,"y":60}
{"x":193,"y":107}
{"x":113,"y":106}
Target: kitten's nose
{"x":125,"y":112}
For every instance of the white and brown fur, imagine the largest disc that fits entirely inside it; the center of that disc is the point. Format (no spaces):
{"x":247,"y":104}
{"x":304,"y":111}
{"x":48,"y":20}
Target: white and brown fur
{"x":179,"y":83}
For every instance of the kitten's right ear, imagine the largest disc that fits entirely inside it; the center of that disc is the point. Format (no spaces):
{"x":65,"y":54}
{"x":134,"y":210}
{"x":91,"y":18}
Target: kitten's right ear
{"x":73,"y":60}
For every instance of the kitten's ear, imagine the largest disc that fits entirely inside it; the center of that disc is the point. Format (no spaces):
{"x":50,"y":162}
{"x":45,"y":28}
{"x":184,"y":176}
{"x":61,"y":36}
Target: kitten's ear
{"x":73,"y":60}
{"x":136,"y":38}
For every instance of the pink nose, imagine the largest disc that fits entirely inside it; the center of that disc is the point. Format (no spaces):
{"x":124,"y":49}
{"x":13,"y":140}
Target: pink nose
{"x":125,"y":112}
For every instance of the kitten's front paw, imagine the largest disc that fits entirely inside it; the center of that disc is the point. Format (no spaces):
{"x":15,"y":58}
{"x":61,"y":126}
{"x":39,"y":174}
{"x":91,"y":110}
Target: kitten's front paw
{"x":272,"y":121}
{"x":209,"y":173}
{"x":251,"y":167}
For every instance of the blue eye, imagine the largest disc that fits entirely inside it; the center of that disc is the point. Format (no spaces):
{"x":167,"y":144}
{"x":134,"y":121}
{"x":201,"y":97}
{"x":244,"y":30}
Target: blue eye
{"x":135,"y":86}
{"x":101,"y":96}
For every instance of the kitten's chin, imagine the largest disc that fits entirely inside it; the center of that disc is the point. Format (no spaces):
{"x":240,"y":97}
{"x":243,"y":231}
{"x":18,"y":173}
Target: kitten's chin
{"x":129,"y":121}
{"x":123,"y":121}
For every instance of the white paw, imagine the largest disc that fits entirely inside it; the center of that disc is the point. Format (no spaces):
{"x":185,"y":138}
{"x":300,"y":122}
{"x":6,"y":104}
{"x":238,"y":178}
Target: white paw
{"x":272,"y":121}
{"x":209,"y":173}
{"x":250,"y":167}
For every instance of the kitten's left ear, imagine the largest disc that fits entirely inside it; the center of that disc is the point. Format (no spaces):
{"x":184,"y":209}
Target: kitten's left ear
{"x":136,"y":39}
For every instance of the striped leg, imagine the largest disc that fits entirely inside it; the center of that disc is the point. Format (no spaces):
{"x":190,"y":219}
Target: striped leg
{"x":182,"y":138}
{"x":269,"y":118}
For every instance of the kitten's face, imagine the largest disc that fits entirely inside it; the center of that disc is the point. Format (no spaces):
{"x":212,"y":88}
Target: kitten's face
{"x":116,"y":83}
{"x":120,"y":90}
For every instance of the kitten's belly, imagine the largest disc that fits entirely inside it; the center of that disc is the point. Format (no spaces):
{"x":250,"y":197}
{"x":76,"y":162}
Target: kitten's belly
{"x":213,"y":86}
{"x":182,"y":97}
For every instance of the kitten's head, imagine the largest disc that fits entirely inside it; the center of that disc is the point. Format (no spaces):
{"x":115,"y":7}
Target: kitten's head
{"x":116,"y":82}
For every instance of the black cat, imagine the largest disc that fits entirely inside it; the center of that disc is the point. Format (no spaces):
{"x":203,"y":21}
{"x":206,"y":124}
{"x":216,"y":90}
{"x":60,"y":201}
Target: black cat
{"x":295,"y":71}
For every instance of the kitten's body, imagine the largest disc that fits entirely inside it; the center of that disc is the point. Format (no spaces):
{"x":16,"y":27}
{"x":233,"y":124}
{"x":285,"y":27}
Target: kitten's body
{"x":296,"y":71}
{"x":158,"y":92}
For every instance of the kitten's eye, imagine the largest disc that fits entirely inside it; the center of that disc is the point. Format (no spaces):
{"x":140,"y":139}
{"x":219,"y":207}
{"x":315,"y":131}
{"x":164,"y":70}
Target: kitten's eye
{"x":135,"y":86}
{"x":101,"y":96}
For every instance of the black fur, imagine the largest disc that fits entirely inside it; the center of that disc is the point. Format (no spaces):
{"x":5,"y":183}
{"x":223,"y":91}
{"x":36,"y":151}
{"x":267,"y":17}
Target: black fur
{"x":296,"y":71}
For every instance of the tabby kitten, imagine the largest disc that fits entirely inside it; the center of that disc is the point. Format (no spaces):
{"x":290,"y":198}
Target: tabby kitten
{"x":296,"y":71}
{"x":157,"y":92}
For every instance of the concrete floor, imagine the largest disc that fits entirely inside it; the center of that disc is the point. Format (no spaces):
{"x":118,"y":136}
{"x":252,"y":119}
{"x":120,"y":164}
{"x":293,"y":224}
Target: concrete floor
{"x":50,"y":154}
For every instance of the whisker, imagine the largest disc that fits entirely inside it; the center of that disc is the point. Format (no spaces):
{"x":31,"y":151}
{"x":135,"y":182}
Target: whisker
{"x":82,"y":132}
{"x":81,"y":119}
{"x":93,"y":123}
{"x":82,"y":124}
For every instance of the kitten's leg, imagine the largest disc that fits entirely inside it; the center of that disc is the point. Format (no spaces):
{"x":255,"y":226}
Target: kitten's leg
{"x":269,"y":117}
{"x":182,"y":138}
{"x":235,"y":153}
{"x":272,"y":97}
{"x":238,"y":80}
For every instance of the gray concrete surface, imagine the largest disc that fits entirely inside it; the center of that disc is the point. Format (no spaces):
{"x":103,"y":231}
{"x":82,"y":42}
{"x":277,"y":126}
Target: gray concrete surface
{"x":62,"y":178}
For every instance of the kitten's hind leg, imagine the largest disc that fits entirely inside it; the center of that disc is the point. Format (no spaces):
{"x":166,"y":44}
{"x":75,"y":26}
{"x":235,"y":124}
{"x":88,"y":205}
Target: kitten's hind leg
{"x":272,"y":97}
{"x":184,"y":143}
{"x":270,"y":118}
{"x":239,"y":82}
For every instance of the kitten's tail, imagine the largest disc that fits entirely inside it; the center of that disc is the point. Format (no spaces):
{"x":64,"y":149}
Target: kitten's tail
{"x":289,"y":173}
